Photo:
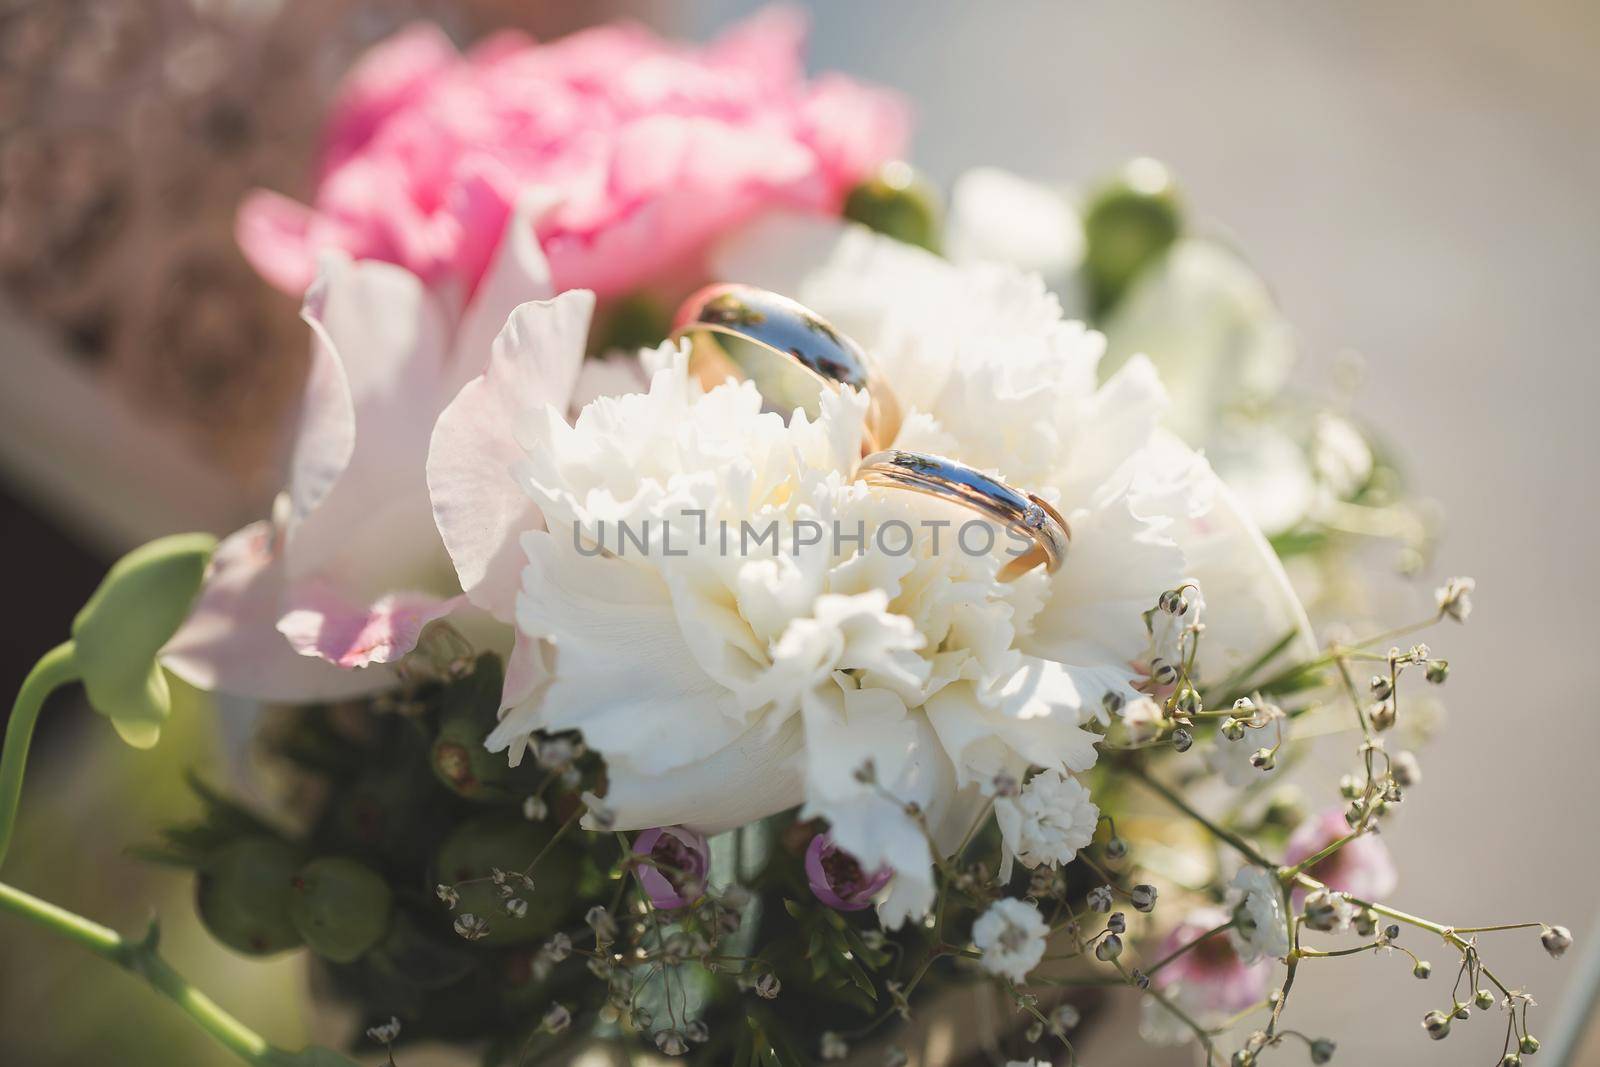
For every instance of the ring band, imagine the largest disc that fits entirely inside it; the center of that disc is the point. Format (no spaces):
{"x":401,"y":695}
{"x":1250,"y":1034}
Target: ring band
{"x":947,"y":479}
{"x":808,"y":346}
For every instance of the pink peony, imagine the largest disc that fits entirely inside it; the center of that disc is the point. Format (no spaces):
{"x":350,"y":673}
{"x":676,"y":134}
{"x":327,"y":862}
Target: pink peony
{"x":1214,"y":981}
{"x":645,"y":149}
{"x":1362,"y":868}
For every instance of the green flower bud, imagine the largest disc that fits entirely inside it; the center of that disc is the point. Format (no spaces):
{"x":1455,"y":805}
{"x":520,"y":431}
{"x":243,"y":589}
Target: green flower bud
{"x":1437,"y":1023}
{"x":478,"y":847}
{"x":242,"y":895}
{"x":470,"y":710}
{"x":340,"y":907}
{"x":899,"y":203}
{"x":1322,"y":1050}
{"x":638,"y":320}
{"x":1422,"y":970}
{"x":117,"y":636}
{"x":1484,"y":999}
{"x":1129,"y":224}
{"x":1528,"y":1045}
{"x":1511,"y":1059}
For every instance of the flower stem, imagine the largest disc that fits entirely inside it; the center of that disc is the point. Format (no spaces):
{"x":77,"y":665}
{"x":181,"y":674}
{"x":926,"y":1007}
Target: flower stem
{"x":1239,"y":844}
{"x":141,"y":958}
{"x":54,"y":669}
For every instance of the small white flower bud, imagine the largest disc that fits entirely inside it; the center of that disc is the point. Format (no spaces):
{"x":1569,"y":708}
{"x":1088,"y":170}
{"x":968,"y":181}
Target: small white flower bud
{"x":1099,"y":898}
{"x":1263,"y":759}
{"x":447,"y":894}
{"x":1233,"y":729}
{"x":534,"y":809}
{"x":1436,"y":671}
{"x":1405,"y":770}
{"x":471,"y":927}
{"x":1143,"y":897}
{"x":1455,"y":598}
{"x":386,"y":1033}
{"x":1556,"y":940}
{"x":1065,"y":1017}
{"x":834,"y":1047}
{"x":1173,"y":602}
{"x":671,"y":1043}
{"x":557,"y":1019}
{"x":1423,"y":969}
{"x":1188,"y":701}
{"x":1117,"y":922}
{"x":1528,"y":1045}
{"x":1182,"y":739}
{"x":1112,"y":702}
{"x":1116,"y":848}
{"x":1162,"y":672}
{"x":1382,"y":714}
{"x":1437,"y":1023}
{"x":1381,"y":686}
{"x":517,"y":908}
{"x":768,"y":987}
{"x":1483,"y":999}
{"x":1109,"y":948}
{"x":1322,"y":1050}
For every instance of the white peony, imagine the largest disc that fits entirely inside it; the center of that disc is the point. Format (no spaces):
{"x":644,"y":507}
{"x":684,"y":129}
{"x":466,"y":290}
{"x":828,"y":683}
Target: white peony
{"x":1259,"y":928}
{"x":1048,"y":822}
{"x":1011,"y":935}
{"x":725,"y":680}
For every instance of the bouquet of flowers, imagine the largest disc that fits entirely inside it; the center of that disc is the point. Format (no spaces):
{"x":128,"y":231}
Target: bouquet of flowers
{"x":724,"y":603}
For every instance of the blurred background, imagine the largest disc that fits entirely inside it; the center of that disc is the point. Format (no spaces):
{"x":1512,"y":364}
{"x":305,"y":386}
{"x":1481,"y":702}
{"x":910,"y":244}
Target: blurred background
{"x":1417,"y":181}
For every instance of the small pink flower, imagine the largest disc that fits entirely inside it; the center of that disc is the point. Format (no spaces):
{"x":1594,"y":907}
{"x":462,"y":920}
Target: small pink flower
{"x":838,"y":880}
{"x":1214,"y":980}
{"x":1362,"y":868}
{"x":683,"y":856}
{"x":645,"y":149}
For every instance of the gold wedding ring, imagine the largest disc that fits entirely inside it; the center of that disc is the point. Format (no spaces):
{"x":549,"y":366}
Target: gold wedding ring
{"x":734,"y":331}
{"x":1024,"y":513}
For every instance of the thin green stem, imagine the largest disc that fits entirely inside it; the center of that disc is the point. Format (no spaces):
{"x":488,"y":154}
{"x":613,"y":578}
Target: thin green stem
{"x":141,"y":958}
{"x":1239,"y":844}
{"x":1188,"y":946}
{"x":54,"y":669}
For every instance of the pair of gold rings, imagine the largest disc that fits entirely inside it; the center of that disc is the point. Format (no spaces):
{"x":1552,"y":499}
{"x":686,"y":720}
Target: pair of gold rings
{"x":734,"y":331}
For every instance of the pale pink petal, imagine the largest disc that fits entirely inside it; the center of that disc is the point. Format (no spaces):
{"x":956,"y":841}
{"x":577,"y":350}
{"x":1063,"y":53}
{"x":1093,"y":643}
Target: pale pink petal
{"x":479,"y":509}
{"x":373,"y":394}
{"x":275,"y":235}
{"x":229,"y":643}
{"x":321,"y":622}
{"x":517,"y":274}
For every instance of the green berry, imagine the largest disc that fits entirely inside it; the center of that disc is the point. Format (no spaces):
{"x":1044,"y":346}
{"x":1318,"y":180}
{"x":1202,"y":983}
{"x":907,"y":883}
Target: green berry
{"x":899,"y":203}
{"x":471,"y":708}
{"x":340,"y":907}
{"x":242,"y":895}
{"x":1129,"y":223}
{"x":507,"y":842}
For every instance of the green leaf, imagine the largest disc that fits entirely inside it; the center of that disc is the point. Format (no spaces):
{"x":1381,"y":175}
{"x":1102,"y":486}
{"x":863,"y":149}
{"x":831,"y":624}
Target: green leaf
{"x":120,"y":632}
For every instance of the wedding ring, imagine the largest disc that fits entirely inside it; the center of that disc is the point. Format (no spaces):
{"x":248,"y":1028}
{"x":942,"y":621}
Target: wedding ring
{"x":947,"y":479}
{"x":735,"y":331}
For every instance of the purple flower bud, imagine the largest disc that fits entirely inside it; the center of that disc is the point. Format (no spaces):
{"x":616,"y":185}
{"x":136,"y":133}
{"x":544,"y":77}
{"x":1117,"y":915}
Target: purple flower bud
{"x":838,"y":880}
{"x":677,"y":877}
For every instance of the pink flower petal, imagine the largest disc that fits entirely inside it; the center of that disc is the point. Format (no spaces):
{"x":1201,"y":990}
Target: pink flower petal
{"x":478,"y":507}
{"x":320,"y":622}
{"x":230,"y":644}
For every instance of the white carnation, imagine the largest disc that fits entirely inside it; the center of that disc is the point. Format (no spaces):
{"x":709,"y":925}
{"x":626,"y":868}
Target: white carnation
{"x":1260,"y":928}
{"x":1049,"y":821}
{"x":1011,"y":935}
